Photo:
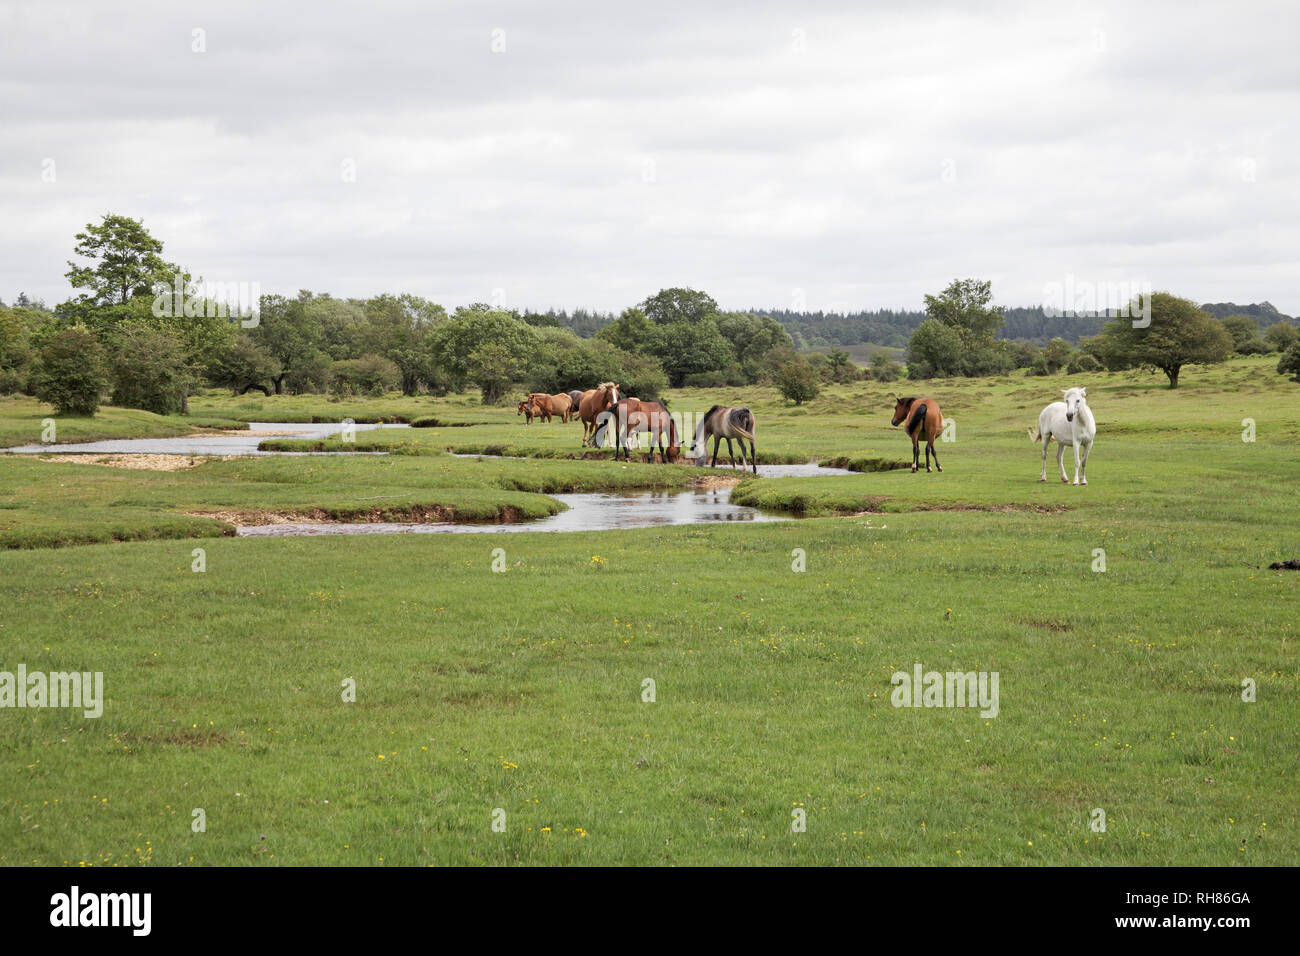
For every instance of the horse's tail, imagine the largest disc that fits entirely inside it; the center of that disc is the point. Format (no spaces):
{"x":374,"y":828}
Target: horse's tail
{"x":1035,"y":435}
{"x":742,"y":423}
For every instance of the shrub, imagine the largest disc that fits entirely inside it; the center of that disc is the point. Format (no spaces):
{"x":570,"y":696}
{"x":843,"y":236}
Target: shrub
{"x":798,"y":382}
{"x":1290,"y":363}
{"x":150,"y":370}
{"x":1083,"y":362}
{"x":368,"y":375}
{"x":71,"y":374}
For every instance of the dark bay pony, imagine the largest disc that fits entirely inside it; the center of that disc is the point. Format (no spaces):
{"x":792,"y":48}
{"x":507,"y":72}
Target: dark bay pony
{"x":593,"y":409}
{"x":631,"y":415}
{"x":575,"y":398}
{"x":924,"y":422}
{"x":721,"y":422}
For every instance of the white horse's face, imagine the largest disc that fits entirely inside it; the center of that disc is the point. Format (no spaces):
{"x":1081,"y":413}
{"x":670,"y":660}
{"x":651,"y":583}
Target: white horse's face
{"x":1074,"y":397}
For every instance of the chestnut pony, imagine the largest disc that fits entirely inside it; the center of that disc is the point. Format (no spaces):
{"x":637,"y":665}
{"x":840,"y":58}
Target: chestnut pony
{"x":633,"y":415}
{"x":545,"y":406}
{"x":924,"y":422}
{"x":593,"y":409}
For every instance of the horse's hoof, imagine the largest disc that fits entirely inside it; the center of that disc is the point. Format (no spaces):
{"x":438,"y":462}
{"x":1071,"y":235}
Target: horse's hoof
{"x":914,"y":469}
{"x":1042,"y":481}
{"x":938,"y":469}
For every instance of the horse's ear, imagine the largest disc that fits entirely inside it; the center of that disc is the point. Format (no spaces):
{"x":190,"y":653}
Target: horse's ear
{"x":1083,"y":391}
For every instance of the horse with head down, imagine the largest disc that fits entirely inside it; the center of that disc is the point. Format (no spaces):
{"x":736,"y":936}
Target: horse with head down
{"x":631,"y":415}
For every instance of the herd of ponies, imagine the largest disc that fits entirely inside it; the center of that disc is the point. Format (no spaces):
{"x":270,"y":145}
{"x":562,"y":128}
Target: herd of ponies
{"x":1068,"y":422}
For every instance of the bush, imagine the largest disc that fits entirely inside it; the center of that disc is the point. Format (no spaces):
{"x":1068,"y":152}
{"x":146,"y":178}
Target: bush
{"x":1282,"y":336}
{"x":368,"y":375}
{"x":1290,"y":363}
{"x":71,"y":374}
{"x":884,"y":368}
{"x":1083,"y":362}
{"x":798,"y":382}
{"x":150,"y":370}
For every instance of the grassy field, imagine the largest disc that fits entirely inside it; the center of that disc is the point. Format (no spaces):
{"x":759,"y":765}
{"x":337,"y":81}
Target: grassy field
{"x":522,"y":691}
{"x":23,"y":421}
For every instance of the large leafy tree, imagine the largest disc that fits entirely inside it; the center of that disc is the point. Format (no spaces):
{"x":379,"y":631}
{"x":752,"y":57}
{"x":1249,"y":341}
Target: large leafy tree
{"x":964,"y":306}
{"x":1180,"y":333}
{"x":125,"y":263}
{"x":290,"y":334}
{"x":678,"y":305}
{"x":935,"y":349}
{"x":490,"y":348}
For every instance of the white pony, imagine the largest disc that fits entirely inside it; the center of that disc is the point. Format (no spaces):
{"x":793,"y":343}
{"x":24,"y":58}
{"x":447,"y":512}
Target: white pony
{"x":1068,"y":421}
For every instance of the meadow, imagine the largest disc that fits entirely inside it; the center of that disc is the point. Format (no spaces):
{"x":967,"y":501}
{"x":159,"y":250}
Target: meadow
{"x":1122,"y":618}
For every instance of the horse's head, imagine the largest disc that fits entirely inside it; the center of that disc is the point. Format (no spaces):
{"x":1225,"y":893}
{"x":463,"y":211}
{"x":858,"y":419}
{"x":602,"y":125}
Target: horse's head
{"x":1074,"y":397}
{"x":901,"y":407}
{"x":522,"y":406}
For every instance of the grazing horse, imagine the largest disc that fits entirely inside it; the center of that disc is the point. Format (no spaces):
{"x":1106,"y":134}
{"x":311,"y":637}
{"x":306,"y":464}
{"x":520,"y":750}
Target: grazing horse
{"x":593,"y":409}
{"x":545,"y":406}
{"x":721,"y":422}
{"x":924,"y":422}
{"x":526,"y":409}
{"x":631,"y":415}
{"x":1072,"y":421}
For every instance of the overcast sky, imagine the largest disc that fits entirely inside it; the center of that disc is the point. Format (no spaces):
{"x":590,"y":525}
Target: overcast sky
{"x":585,"y":154}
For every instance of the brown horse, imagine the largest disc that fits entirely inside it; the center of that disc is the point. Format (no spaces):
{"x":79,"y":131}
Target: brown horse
{"x":721,"y":422}
{"x":594,"y":409}
{"x":526,"y":409}
{"x":633,"y":415}
{"x":545,"y":406}
{"x":924,"y":420}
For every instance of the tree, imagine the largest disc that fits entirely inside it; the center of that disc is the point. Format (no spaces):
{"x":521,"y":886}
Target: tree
{"x":631,"y":332}
{"x":751,"y":337}
{"x":964,"y":306}
{"x":1246,"y":339}
{"x":368,"y":375}
{"x":71,"y":374}
{"x":1289,"y":364}
{"x":150,"y":369}
{"x":797,"y":381}
{"x":125,"y":263}
{"x":668,"y":306}
{"x":884,"y":368}
{"x":685,"y":348}
{"x":935,"y":349}
{"x":839,"y":368}
{"x":1056,"y":355}
{"x":490,"y":348}
{"x":1179,"y":334}
{"x":244,"y":365}
{"x":290,"y":334}
{"x":15,"y":352}
{"x":1281,"y":336}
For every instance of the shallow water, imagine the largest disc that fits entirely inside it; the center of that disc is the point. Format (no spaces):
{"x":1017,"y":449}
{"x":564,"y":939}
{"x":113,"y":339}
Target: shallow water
{"x":602,"y":512}
{"x":201,"y":444}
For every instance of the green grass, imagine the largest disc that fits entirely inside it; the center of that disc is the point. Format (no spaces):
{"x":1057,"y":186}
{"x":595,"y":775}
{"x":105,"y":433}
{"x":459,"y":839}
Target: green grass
{"x":23,"y":422}
{"x":522,"y":690}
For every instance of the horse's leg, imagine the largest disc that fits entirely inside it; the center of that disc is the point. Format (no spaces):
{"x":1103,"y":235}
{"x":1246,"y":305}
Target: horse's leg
{"x":743,"y":465}
{"x":1060,"y":461}
{"x":916,"y":456}
{"x":731,"y":453}
{"x":1086,"y":448}
{"x":934,"y":451}
{"x":717,"y":445}
{"x":1076,"y":461}
{"x":753,"y":456}
{"x":1046,"y":441}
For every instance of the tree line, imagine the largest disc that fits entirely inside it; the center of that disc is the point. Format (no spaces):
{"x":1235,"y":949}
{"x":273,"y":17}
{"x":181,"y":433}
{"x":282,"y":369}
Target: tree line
{"x":139,"y":330}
